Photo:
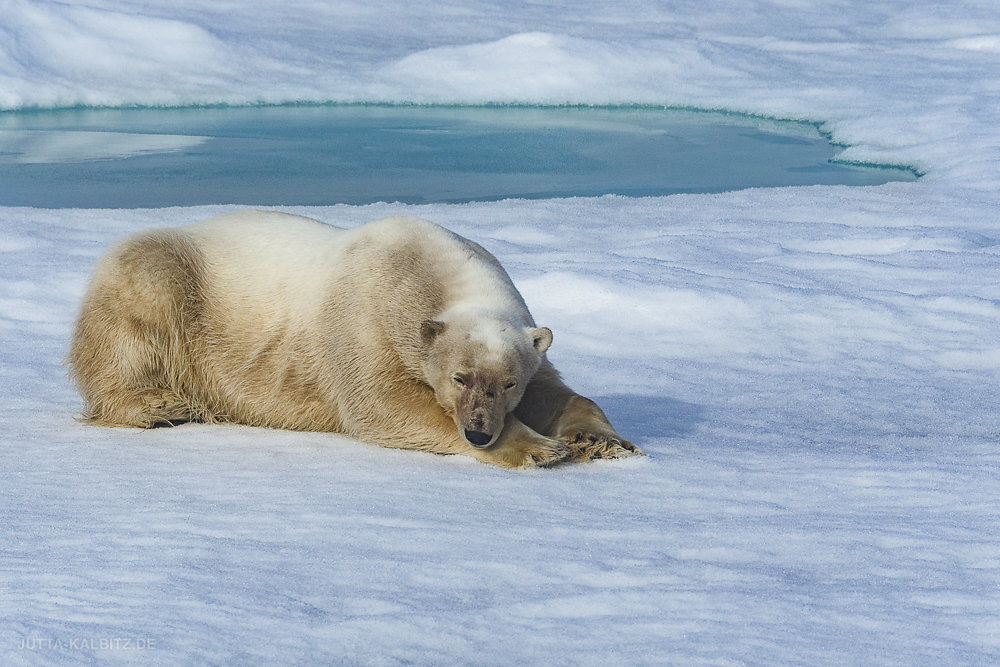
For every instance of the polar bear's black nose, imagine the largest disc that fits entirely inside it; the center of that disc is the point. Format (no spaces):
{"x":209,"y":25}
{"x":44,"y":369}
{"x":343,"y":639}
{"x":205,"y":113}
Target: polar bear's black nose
{"x":478,"y":438}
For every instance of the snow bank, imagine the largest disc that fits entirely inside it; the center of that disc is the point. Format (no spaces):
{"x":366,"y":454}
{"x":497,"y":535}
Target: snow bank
{"x":902,"y":84}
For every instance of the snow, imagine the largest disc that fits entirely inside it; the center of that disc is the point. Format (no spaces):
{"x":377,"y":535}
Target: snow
{"x":813,"y":371}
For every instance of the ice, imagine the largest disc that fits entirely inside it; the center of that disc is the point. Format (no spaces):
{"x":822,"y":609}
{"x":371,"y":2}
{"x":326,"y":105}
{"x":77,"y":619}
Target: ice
{"x":813,"y":371}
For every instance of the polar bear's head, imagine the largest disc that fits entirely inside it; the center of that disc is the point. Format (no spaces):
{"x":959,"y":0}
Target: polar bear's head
{"x":479,"y":367}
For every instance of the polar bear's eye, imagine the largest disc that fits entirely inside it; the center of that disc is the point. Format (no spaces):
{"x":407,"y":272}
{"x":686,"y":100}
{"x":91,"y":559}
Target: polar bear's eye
{"x":457,"y":380}
{"x":510,"y":385}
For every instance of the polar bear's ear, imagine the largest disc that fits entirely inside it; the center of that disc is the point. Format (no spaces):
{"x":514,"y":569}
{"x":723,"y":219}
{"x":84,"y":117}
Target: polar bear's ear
{"x":541,"y":338}
{"x":430,"y":329}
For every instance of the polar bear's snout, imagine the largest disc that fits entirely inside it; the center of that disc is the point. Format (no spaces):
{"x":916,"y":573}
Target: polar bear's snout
{"x":478,"y":438}
{"x":481,"y":406}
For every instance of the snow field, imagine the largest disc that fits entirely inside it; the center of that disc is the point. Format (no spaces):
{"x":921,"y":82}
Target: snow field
{"x":813,"y":371}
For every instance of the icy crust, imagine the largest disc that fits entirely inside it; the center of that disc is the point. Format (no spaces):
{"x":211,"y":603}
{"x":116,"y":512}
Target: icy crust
{"x":815,"y":386}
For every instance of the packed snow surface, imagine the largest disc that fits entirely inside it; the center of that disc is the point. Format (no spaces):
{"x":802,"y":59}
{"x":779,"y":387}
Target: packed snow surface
{"x":812,"y":371}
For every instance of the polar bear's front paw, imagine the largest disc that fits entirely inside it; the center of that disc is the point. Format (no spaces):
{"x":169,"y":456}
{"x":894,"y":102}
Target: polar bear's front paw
{"x":534,"y":452}
{"x":545,"y":453}
{"x":586,"y":446}
{"x":523,"y":447}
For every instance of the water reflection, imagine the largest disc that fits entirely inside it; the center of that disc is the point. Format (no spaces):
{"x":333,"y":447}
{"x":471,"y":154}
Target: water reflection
{"x":59,"y":146}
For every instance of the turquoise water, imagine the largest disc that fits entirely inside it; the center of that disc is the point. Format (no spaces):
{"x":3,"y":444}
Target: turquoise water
{"x":121,"y":158}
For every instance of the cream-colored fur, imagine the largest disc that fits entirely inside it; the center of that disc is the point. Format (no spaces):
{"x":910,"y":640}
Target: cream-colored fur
{"x":398,"y":332}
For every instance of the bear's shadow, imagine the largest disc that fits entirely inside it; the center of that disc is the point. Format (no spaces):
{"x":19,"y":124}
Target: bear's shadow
{"x":639,"y":417}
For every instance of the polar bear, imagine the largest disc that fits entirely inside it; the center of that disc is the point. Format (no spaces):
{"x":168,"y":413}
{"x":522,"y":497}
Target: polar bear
{"x":398,"y":332}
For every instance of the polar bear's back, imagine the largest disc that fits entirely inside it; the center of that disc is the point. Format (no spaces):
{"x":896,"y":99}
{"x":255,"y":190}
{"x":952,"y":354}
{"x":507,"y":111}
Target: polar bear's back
{"x":280,"y":241}
{"x":258,"y":256}
{"x":267,"y":244}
